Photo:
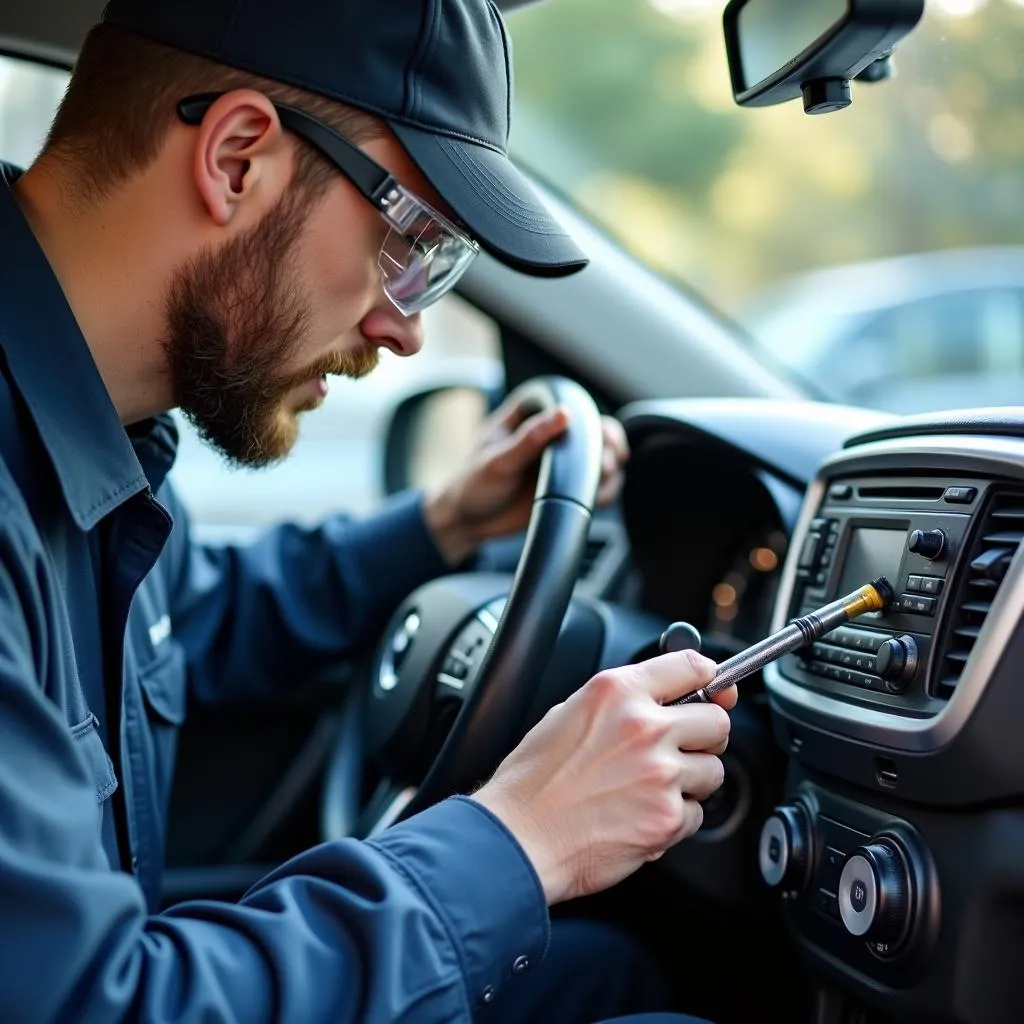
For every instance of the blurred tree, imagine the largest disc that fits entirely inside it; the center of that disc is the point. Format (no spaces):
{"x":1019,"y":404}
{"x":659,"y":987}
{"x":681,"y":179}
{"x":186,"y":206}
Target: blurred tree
{"x":626,"y":106}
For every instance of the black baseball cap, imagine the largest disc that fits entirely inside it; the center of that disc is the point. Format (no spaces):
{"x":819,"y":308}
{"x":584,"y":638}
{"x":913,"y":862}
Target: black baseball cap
{"x":437,"y":71}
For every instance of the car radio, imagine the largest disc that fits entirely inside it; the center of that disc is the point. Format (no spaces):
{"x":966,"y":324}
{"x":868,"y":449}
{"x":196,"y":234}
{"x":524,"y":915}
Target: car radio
{"x":912,"y":531}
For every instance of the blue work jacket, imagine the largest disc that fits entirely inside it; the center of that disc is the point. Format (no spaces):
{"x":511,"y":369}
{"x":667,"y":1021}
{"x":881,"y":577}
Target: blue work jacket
{"x":110,"y":614}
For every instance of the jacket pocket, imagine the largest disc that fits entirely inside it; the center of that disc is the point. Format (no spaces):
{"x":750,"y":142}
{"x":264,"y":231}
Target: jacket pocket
{"x":162,"y":682}
{"x":87,"y":740}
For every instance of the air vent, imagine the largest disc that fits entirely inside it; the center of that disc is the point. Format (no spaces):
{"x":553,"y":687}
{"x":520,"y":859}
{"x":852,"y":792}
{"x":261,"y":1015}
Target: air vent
{"x":594,"y":550}
{"x":993,"y":548}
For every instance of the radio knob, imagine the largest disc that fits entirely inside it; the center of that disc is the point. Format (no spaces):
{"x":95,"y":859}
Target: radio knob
{"x":875,"y":894}
{"x":784,"y":850}
{"x":896,"y":662}
{"x":929,"y":543}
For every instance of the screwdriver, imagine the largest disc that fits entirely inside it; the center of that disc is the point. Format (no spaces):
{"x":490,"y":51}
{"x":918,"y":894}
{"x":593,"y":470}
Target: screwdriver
{"x":872,"y":597}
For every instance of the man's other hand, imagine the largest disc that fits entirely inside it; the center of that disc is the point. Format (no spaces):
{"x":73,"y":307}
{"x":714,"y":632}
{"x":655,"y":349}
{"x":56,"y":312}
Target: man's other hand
{"x":611,"y":778}
{"x":493,"y":494}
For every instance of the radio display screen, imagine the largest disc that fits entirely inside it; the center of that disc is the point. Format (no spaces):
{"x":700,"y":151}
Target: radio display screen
{"x":872,"y":553}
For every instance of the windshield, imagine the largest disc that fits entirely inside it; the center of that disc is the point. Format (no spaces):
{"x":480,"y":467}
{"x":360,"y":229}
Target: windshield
{"x":876,"y":250}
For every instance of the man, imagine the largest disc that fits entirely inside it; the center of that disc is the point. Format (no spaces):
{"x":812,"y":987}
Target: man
{"x":199,"y":233}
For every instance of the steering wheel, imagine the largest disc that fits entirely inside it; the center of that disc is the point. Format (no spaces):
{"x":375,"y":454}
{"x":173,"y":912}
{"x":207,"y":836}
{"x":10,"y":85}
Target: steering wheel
{"x":452,"y":679}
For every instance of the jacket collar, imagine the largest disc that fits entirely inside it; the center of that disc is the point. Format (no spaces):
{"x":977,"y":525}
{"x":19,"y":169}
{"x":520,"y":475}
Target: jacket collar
{"x":52,"y":367}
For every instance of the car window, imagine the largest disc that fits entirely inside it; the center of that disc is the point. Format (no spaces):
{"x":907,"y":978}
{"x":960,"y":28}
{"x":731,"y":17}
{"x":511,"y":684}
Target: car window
{"x":338,"y":462}
{"x":798,"y":225}
{"x":916,"y":353}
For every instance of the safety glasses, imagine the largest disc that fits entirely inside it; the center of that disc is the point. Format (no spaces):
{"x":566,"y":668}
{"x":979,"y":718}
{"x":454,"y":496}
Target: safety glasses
{"x":424,"y":253}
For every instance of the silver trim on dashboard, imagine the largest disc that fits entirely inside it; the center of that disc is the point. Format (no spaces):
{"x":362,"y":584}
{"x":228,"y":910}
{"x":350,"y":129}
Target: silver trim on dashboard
{"x":944,"y":453}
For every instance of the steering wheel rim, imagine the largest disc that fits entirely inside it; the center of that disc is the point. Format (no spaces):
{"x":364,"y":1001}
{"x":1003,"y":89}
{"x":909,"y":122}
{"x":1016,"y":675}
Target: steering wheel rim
{"x":487,"y":726}
{"x":492,"y":715}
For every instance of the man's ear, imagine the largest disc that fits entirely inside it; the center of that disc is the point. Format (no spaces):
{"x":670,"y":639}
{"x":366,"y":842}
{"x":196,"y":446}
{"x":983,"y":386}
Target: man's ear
{"x":241,"y":156}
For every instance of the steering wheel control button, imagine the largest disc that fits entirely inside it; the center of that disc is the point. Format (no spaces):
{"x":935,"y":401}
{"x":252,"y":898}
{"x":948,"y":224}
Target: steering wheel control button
{"x":927,"y":543}
{"x":464,"y":656}
{"x":896,"y":662}
{"x":874,"y":893}
{"x":784,"y":847}
{"x":404,"y":636}
{"x":396,"y":652}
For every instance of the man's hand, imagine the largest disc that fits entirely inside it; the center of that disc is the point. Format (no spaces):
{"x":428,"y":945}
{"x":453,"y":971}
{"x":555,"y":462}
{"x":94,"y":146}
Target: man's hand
{"x":611,"y":778}
{"x":492,"y":496}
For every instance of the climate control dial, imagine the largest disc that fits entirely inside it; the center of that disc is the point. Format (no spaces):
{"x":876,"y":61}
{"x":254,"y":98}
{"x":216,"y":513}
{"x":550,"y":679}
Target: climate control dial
{"x":896,"y":662}
{"x":784,"y":850}
{"x":875,"y":894}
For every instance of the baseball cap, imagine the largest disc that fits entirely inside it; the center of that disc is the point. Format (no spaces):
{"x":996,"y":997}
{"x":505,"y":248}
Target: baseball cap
{"x":438,"y":72}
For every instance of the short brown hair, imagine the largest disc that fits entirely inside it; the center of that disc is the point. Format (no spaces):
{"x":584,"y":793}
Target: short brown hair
{"x":121,"y":100}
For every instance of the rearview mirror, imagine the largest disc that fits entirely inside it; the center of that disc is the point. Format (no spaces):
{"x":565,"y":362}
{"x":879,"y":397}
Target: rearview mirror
{"x":781,"y":49}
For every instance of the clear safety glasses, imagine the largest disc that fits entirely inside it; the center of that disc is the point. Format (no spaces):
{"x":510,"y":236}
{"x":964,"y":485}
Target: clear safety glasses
{"x":424,"y":253}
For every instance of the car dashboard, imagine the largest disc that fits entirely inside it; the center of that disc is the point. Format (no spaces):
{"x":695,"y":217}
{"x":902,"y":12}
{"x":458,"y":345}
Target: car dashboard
{"x":894,"y":844}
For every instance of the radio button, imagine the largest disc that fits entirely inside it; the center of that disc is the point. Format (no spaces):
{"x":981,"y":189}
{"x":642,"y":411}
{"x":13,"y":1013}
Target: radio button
{"x":810,"y":554}
{"x":827,"y":903}
{"x":917,"y":605}
{"x":842,"y":636}
{"x":865,"y":681}
{"x":858,"y":639}
{"x":960,"y":495}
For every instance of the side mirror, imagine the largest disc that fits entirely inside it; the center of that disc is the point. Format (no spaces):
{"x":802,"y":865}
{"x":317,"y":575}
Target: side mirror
{"x":781,"y":49}
{"x":431,"y":434}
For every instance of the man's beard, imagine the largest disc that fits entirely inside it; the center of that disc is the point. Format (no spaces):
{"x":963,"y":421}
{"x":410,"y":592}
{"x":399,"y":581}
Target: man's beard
{"x":234,"y":317}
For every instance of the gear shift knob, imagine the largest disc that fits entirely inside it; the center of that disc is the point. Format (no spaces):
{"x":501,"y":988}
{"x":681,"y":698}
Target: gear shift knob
{"x":680,"y":636}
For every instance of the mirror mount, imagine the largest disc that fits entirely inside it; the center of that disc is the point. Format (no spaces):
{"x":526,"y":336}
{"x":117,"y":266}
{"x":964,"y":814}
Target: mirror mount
{"x":779,"y":50}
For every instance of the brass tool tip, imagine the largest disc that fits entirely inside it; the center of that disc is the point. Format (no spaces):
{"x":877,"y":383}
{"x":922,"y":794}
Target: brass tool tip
{"x":872,"y":597}
{"x":885,"y":591}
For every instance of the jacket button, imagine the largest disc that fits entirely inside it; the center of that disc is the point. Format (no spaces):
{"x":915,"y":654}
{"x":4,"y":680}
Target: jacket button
{"x":488,"y":994}
{"x":520,"y":964}
{"x":135,"y":863}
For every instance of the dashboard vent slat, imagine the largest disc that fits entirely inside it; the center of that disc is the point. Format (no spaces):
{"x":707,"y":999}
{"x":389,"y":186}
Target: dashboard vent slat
{"x":1010,"y":512}
{"x":995,"y":543}
{"x":1011,"y":538}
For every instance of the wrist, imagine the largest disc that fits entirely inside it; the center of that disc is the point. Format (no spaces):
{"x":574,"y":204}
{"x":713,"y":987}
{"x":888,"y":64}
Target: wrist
{"x":536,"y":842}
{"x":452,"y":536}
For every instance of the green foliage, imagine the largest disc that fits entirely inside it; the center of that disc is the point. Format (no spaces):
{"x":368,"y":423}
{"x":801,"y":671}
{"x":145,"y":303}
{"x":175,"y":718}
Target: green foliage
{"x":628,"y":109}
